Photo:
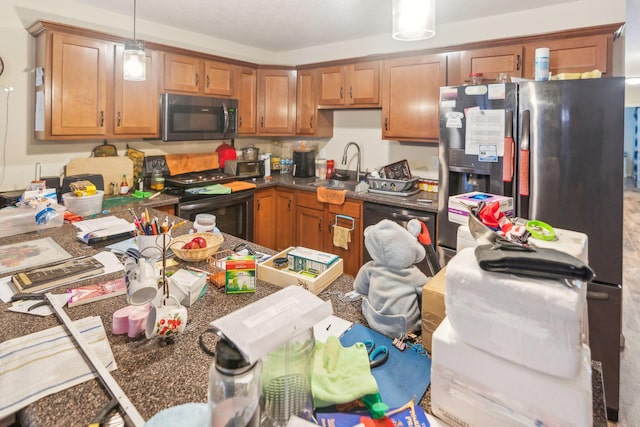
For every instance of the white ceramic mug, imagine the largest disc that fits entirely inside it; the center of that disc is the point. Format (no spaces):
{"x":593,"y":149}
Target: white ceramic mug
{"x":151,"y":246}
{"x":142,"y":281}
{"x":166,"y":319}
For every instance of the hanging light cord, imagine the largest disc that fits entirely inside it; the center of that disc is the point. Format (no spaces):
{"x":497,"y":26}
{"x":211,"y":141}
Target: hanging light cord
{"x":4,"y":142}
{"x":134,"y":20}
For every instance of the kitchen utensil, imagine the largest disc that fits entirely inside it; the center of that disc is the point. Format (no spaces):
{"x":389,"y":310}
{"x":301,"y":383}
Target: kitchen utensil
{"x":250,"y":153}
{"x":225,"y":152}
{"x":304,"y":164}
{"x":397,"y":170}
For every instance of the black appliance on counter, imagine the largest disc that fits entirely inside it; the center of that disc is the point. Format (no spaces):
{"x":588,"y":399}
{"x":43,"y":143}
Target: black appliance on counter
{"x":556,"y":147}
{"x":234,"y":211}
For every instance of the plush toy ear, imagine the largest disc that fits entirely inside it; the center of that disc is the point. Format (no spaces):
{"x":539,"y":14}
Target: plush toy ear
{"x":413,"y":226}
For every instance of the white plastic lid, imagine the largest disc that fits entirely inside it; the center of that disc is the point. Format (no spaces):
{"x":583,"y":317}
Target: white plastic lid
{"x":542,"y":51}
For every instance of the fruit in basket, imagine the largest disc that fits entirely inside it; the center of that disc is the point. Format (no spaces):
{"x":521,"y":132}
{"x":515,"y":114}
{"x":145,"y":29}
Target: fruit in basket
{"x":195,"y":243}
{"x":202,"y":243}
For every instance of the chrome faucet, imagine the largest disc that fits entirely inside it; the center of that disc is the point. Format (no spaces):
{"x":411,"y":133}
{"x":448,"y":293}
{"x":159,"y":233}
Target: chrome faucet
{"x":344,"y":158}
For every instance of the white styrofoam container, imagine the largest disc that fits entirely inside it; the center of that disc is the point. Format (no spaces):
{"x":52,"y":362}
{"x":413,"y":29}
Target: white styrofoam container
{"x":537,"y":323}
{"x":470,"y":387}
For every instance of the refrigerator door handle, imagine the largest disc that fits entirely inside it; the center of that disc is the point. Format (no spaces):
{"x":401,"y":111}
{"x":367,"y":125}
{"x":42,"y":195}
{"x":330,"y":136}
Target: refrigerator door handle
{"x":523,"y":175}
{"x":509,"y":147}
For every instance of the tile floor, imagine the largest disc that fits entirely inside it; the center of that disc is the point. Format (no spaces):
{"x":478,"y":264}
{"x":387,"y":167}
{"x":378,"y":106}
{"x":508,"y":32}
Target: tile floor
{"x":629,"y":414}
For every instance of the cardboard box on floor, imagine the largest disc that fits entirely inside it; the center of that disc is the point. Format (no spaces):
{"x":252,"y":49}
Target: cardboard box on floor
{"x":433,"y":311}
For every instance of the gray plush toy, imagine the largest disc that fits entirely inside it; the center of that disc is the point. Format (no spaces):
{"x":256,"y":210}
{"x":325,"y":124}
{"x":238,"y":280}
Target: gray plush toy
{"x":391,"y":284}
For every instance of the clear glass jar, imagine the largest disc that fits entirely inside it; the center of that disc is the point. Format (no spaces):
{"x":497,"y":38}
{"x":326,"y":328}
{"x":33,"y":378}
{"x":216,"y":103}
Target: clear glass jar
{"x":234,"y":389}
{"x":157,"y":180}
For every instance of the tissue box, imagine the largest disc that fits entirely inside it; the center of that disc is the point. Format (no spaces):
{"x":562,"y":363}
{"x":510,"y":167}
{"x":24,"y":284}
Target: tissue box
{"x":187,"y":286}
{"x":241,"y":274}
{"x":470,"y":387}
{"x":459,"y":214}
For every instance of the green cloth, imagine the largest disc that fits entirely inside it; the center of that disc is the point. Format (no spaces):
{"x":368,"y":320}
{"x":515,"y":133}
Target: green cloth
{"x":213,"y":189}
{"x":340,"y":374}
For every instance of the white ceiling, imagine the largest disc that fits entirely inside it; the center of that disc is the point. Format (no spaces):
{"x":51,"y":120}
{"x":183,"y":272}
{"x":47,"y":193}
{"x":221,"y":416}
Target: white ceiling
{"x":285,"y":25}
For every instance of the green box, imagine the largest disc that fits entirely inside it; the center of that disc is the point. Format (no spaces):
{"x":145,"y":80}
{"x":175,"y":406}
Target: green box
{"x":241,"y":274}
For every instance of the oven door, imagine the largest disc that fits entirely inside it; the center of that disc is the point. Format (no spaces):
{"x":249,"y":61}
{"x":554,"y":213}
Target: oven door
{"x":234,"y":212}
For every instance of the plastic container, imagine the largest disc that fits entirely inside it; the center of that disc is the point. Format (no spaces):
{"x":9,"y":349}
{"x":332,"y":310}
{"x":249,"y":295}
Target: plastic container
{"x":15,"y":220}
{"x":234,"y":389}
{"x":204,"y":223}
{"x":542,"y":63}
{"x":476,"y":78}
{"x":84,"y":206}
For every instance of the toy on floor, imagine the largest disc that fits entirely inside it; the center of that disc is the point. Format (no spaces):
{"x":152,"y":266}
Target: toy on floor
{"x":391,"y":284}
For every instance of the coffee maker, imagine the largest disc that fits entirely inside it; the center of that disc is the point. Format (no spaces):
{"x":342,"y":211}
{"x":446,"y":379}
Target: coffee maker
{"x":304,"y":163}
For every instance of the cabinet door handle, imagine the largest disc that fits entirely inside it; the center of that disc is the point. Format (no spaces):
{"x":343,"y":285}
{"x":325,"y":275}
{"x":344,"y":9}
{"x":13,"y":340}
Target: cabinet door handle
{"x":340,"y":92}
{"x":351,"y":92}
{"x":518,"y":62}
{"x":240,"y":121}
{"x":320,"y":225}
{"x":118,"y":123}
{"x":207,"y":81}
{"x":197,"y":79}
{"x":262,"y":121}
{"x":386,"y":123}
{"x":311,"y":122}
{"x":289,"y":205}
{"x":101,"y":118}
{"x":258,"y":208}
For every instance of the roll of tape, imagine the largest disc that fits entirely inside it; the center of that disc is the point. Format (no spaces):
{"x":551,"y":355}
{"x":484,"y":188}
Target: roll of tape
{"x":541,"y":230}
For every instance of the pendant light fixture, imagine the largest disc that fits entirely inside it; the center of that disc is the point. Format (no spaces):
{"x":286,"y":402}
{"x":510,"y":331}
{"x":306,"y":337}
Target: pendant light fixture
{"x":413,"y":19}
{"x":134,"y":59}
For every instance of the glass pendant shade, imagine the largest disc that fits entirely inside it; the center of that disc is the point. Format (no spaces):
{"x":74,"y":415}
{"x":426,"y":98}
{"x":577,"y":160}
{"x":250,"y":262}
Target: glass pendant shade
{"x":134,"y":61}
{"x":413,"y":19}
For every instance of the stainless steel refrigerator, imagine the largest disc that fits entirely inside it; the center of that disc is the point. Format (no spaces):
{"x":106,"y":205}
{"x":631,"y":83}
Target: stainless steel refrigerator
{"x":557,"y":148}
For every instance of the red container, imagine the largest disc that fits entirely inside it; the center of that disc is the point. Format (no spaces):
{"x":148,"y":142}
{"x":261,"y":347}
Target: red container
{"x":330,"y":168}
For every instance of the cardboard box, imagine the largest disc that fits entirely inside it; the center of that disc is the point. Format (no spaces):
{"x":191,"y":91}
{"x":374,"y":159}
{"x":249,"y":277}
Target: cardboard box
{"x":284,"y":277}
{"x":301,"y":258}
{"x":433,"y":310}
{"x":459,"y":213}
{"x":241,"y":274}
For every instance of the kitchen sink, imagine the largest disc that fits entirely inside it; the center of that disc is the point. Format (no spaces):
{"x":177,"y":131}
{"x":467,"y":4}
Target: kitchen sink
{"x":335,"y":184}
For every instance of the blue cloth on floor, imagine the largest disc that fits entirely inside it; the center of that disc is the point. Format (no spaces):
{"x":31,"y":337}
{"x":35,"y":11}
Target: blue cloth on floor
{"x":406,"y":374}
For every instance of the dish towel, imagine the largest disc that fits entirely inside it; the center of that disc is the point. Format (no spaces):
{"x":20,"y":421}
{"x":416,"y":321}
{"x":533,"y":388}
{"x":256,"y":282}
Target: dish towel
{"x":47,"y":362}
{"x":326,"y":195}
{"x":341,"y":237}
{"x":210,"y":189}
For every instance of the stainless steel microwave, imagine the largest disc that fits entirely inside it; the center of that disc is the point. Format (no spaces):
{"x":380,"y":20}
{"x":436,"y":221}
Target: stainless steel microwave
{"x":191,"y":118}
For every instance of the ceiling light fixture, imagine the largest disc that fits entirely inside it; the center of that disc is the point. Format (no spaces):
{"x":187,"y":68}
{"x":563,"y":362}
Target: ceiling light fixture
{"x":413,"y":19}
{"x":134,"y":60}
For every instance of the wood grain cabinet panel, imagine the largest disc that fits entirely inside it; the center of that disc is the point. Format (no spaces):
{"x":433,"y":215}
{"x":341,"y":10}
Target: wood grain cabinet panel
{"x":276,"y":102}
{"x":246,"y":92}
{"x":136,"y":103}
{"x":79,"y":76}
{"x":350,"y":86}
{"x":182,"y":73}
{"x":309,"y":120}
{"x":410,"y":94}
{"x":218,"y":79}
{"x":491,"y":62}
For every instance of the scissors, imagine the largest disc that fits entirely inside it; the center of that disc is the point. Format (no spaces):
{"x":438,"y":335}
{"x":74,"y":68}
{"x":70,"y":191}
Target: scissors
{"x":377,"y":355}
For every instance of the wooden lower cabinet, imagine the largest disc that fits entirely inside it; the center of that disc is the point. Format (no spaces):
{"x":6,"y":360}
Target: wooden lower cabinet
{"x":314,"y":227}
{"x":274,"y":218}
{"x":168,"y":209}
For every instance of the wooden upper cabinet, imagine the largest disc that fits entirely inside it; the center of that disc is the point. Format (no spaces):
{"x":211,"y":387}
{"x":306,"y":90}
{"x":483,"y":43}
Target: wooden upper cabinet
{"x":136,"y":103}
{"x":410,"y":95}
{"x":218,"y":79}
{"x":491,"y":62}
{"x":276,"y":102}
{"x":182,"y":73}
{"x":246,"y":92}
{"x":573,"y":55}
{"x":310,"y":121}
{"x":80,"y":69}
{"x":354,"y":85}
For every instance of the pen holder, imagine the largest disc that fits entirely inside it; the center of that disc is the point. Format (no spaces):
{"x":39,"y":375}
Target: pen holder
{"x":151,"y":246}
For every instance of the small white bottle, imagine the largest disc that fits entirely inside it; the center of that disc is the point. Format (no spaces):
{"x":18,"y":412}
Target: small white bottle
{"x":542,"y":64}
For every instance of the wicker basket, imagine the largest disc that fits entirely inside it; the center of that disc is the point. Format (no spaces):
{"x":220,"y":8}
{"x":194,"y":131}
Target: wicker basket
{"x":214,"y":241}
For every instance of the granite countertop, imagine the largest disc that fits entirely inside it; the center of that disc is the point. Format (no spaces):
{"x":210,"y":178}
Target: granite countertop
{"x":289,"y":181}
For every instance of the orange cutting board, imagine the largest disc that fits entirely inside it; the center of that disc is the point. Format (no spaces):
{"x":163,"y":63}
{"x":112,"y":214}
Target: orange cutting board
{"x":239,"y":185}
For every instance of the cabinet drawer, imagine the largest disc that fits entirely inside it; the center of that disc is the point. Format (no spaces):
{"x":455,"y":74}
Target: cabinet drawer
{"x":308,"y":199}
{"x":349,"y":208}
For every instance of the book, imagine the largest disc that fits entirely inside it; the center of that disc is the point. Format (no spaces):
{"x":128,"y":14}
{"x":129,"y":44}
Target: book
{"x":30,"y":254}
{"x":50,"y":276}
{"x":96,"y":292}
{"x":109,"y":234}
